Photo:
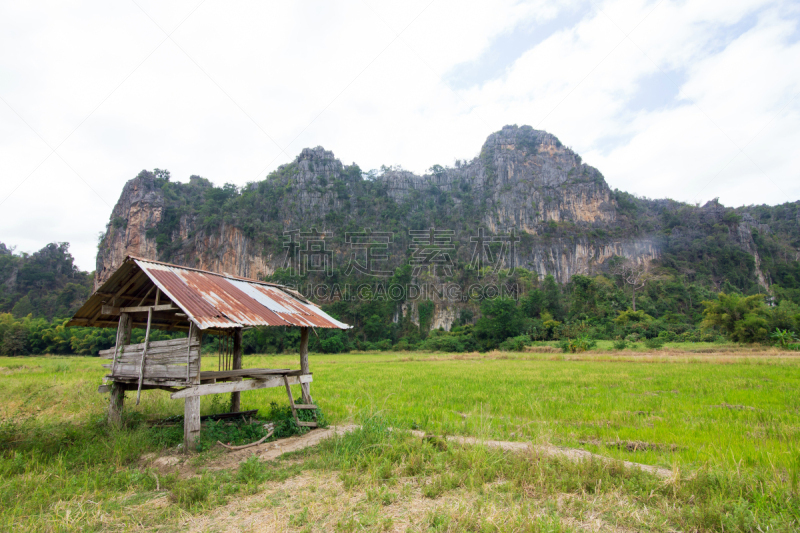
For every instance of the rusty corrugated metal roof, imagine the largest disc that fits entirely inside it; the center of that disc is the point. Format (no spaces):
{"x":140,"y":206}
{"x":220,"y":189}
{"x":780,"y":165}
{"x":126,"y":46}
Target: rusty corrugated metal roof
{"x":216,"y":301}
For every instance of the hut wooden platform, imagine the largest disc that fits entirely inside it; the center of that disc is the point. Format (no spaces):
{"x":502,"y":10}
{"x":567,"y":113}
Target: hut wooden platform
{"x":155,"y":295}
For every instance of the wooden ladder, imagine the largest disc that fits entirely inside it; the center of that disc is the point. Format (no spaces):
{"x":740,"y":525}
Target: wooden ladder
{"x":296,"y":406}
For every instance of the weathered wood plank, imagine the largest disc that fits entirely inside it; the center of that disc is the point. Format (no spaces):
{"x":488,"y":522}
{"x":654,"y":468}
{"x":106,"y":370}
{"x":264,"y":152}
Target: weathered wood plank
{"x":220,"y":374}
{"x":108,"y":310}
{"x":172,"y":361}
{"x":238,"y":386}
{"x":155,"y":350}
{"x":146,"y":308}
{"x":306,"y":424}
{"x":148,"y":383}
{"x":305,"y":406}
{"x":166,"y":351}
{"x":159,"y":371}
{"x":153,"y":383}
{"x":129,"y":358}
{"x":153,"y":345}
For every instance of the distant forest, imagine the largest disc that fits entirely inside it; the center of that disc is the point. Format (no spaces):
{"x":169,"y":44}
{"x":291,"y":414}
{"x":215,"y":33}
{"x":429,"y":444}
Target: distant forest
{"x":40,"y":291}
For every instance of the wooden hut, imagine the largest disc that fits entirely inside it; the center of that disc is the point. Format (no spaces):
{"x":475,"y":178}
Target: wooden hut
{"x":153,"y":295}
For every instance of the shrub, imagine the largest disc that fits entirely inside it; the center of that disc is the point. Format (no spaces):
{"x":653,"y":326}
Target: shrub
{"x":444,"y":343}
{"x":667,"y":336}
{"x":626,"y":317}
{"x":656,"y":343}
{"x":336,"y":343}
{"x":783,"y":337}
{"x":620,"y":344}
{"x":581,"y":344}
{"x":515,"y":344}
{"x":402,"y":345}
{"x":191,"y":492}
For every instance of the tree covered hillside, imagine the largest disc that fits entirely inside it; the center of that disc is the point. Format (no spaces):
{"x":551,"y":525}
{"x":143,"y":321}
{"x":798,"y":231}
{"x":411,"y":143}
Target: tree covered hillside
{"x":45,"y":284}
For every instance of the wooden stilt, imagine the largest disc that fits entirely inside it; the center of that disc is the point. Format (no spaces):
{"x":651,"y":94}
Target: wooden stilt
{"x":236,"y":397}
{"x":116,"y":403}
{"x":117,"y":397}
{"x":191,"y":422}
{"x":191,"y":406}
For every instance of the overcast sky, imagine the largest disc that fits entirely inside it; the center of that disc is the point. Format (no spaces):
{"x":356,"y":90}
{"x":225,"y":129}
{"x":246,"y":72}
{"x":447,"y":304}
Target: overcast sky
{"x":689,"y":100}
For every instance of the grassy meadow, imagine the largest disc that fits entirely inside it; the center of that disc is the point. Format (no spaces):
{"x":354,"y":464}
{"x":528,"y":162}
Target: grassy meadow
{"x":725,"y":419}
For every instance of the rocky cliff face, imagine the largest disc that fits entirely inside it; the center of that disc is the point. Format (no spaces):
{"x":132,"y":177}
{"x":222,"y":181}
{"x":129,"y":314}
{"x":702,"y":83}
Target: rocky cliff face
{"x":139,"y":208}
{"x":524,"y":178}
{"x":524,"y":181}
{"x":524,"y":184}
{"x":527,"y":177}
{"x":139,"y":211}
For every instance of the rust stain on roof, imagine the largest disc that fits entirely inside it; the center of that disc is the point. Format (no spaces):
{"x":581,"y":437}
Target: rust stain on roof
{"x":217,"y":301}
{"x":221,"y":301}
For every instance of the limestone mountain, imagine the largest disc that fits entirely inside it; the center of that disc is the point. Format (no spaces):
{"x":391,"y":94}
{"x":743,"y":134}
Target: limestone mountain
{"x":560,"y":212}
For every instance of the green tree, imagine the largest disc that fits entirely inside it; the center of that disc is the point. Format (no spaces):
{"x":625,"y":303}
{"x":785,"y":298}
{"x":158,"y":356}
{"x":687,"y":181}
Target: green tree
{"x":375,"y":328}
{"x":553,"y":300}
{"x":742,"y":318}
{"x":501,"y":318}
{"x":15,"y":340}
{"x":23,"y":307}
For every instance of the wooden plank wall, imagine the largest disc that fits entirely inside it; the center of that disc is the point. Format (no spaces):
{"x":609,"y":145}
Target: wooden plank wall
{"x":165,"y":359}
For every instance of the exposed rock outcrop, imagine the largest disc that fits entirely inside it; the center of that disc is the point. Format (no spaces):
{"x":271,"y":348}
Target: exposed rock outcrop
{"x":524,"y":183}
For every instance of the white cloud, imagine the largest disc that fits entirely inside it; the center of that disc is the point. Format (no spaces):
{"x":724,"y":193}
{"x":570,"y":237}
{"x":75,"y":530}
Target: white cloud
{"x":262,"y":81}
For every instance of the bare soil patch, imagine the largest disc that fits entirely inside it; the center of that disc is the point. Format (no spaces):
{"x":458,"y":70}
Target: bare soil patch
{"x":183,"y":465}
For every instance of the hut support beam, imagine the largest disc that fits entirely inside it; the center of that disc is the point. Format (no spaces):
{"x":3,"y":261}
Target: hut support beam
{"x":236,"y":397}
{"x":117,"y":399}
{"x":116,"y":403}
{"x":191,"y":405}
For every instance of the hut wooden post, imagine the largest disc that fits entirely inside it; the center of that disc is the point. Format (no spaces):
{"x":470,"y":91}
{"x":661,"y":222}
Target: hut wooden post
{"x":191,"y":406}
{"x":117,"y":399}
{"x":116,"y":403}
{"x":236,"y":397}
{"x":304,"y":364}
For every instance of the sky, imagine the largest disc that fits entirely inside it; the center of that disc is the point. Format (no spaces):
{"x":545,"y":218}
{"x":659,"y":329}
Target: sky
{"x":690,"y":100}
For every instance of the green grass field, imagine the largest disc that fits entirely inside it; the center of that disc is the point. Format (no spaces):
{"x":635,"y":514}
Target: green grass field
{"x":732,"y":415}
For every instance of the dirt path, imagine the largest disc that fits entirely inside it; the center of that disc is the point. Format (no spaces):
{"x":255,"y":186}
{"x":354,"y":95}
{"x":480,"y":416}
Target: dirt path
{"x":573,"y":454}
{"x":273,"y":450}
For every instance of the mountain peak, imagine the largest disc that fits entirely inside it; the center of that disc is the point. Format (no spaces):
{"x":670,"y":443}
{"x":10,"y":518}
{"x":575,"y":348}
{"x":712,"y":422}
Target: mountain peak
{"x":525,"y":137}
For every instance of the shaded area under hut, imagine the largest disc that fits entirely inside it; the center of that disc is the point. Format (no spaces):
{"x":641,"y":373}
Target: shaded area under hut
{"x":153,"y":295}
